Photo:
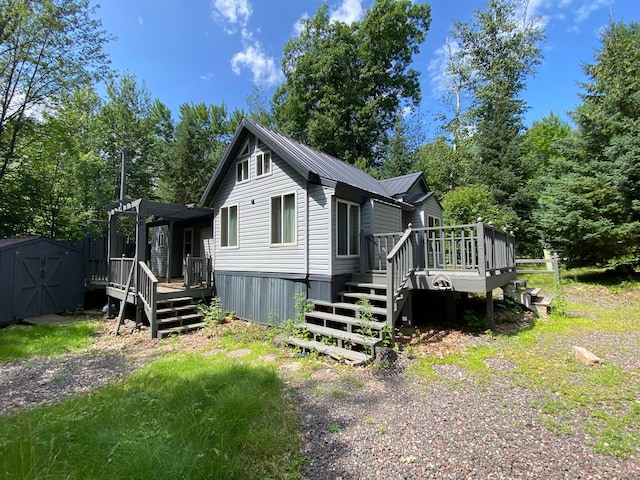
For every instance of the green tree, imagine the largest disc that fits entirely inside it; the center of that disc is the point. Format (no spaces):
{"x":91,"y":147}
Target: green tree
{"x":499,"y":50}
{"x":128,"y":120}
{"x":345,"y":84}
{"x":201,"y":137}
{"x":444,"y":166}
{"x":47,"y":48}
{"x":400,"y":155}
{"x":464,"y":205}
{"x":590,"y":210}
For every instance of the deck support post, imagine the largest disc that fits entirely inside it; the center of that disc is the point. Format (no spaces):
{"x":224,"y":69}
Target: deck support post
{"x":450,"y":299}
{"x":489,"y":306}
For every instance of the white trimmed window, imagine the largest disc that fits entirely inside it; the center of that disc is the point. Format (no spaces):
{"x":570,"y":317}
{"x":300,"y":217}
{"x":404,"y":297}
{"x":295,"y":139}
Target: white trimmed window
{"x":263,"y":164}
{"x":283,"y":219}
{"x":229,"y":226}
{"x":242,"y":171}
{"x":348,"y":230}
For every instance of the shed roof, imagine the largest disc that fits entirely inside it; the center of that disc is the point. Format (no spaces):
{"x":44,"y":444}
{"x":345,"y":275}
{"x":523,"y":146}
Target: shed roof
{"x":312,"y":164}
{"x":167,"y":211}
{"x":7,"y":242}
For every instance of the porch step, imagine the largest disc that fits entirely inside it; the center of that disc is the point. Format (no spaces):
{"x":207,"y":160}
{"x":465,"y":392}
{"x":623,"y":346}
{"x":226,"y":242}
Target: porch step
{"x":180,"y":308}
{"x":180,"y":318}
{"x":177,"y":315}
{"x":369,"y":296}
{"x":180,"y":329}
{"x":542,"y":306}
{"x":354,"y":307}
{"x":339,"y":335}
{"x":366,"y":286}
{"x":348,"y":322}
{"x":341,"y":354}
{"x":528,"y":297}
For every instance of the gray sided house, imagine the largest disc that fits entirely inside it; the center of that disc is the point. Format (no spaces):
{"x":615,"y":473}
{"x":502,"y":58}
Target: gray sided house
{"x":288,"y":218}
{"x":38,"y":276}
{"x":280,"y":220}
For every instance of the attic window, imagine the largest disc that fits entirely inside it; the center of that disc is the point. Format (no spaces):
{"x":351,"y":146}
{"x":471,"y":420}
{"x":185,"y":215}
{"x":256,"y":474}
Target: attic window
{"x":242,"y":171}
{"x":245,"y":149}
{"x":263,"y":164}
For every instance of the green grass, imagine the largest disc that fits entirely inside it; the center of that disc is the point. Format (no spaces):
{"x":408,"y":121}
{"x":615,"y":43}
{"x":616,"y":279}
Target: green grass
{"x":600,"y":400}
{"x":23,"y":341}
{"x":185,"y":416}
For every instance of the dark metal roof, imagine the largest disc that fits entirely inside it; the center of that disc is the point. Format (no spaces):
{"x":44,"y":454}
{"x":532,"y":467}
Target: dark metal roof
{"x":401,"y":185}
{"x":167,"y":211}
{"x":312,"y":164}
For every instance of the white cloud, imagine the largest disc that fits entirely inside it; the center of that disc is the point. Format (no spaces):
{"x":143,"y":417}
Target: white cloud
{"x":587,"y":8}
{"x":262,"y":66}
{"x":297,"y":27}
{"x":206,"y":76}
{"x":140,"y":20}
{"x":350,"y":11}
{"x":232,"y":11}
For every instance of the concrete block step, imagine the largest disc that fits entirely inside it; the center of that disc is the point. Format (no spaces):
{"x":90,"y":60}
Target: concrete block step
{"x":350,"y":322}
{"x":341,"y":354}
{"x":356,"y":338}
{"x":181,"y":329}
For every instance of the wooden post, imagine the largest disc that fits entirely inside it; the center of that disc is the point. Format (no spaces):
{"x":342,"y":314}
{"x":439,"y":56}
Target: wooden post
{"x":489,"y":304}
{"x":482,"y":258}
{"x":364,"y":253}
{"x":450,"y":300}
{"x":187,"y":272}
{"x":555,"y":259}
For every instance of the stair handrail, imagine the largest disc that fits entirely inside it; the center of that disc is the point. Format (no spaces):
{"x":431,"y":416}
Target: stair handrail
{"x":399,"y":268}
{"x":148,"y":295}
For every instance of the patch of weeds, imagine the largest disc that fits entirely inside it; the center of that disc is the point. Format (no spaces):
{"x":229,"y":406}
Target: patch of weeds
{"x":555,"y":426}
{"x":408,"y":352}
{"x":302,"y":306}
{"x":474,"y":321}
{"x":380,"y":429}
{"x":339,"y":394}
{"x":369,"y":421}
{"x":334,"y":427}
{"x":212,"y":314}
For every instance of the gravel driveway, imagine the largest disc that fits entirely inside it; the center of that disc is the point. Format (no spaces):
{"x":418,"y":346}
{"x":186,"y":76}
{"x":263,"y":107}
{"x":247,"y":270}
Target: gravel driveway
{"x":377,"y":424}
{"x":367,"y":422}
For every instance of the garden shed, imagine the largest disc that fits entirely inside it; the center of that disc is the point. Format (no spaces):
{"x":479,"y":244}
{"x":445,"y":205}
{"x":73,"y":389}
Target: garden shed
{"x":38,"y":276}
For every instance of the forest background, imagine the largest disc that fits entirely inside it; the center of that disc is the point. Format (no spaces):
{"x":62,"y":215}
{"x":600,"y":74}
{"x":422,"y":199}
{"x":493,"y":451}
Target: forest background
{"x":350,"y":90}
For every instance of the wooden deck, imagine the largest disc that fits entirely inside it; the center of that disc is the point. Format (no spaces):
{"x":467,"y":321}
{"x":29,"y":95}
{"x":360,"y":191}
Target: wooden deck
{"x":168,"y":306}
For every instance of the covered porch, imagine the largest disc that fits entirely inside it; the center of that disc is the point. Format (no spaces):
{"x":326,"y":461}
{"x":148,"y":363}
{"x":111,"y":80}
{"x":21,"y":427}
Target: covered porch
{"x":167,"y":275}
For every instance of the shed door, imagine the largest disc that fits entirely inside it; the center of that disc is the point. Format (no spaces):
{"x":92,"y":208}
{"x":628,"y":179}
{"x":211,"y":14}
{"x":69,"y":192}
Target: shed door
{"x":39,"y":285}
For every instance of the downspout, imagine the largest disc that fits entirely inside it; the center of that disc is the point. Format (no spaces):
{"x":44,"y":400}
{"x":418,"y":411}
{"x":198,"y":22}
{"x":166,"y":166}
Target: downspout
{"x":306,"y":239}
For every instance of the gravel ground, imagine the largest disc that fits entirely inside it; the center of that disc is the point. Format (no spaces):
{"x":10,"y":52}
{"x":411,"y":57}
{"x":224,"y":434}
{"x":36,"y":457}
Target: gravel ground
{"x":375,"y":423}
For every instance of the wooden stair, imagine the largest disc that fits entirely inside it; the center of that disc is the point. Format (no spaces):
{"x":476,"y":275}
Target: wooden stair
{"x":177,"y":315}
{"x":339,"y":329}
{"x":531,"y":298}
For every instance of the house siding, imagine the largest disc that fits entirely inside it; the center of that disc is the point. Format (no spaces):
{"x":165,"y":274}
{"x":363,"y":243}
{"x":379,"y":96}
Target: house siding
{"x":344,"y":265}
{"x":260,"y":298}
{"x":253,"y":198}
{"x":319,"y":231}
{"x":386,"y":218}
{"x":159,"y":249}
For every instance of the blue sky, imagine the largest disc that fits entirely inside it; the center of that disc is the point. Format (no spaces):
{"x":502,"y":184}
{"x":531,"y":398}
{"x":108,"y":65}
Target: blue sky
{"x":215,"y":51}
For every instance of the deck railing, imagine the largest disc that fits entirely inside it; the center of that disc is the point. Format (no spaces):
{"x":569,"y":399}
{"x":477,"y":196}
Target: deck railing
{"x":119,"y":270}
{"x":148,"y":293}
{"x":197,"y":272}
{"x":475,"y":247}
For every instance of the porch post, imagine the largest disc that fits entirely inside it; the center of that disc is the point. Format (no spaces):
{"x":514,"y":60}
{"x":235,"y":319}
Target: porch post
{"x":169,"y":247}
{"x":141,"y":241}
{"x":489,"y":306}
